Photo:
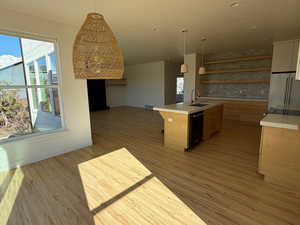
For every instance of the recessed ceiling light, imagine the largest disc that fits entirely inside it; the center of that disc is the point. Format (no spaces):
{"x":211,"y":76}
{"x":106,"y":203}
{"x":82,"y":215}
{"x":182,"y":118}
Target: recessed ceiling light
{"x":234,"y":4}
{"x":184,"y":30}
{"x":253,"y":27}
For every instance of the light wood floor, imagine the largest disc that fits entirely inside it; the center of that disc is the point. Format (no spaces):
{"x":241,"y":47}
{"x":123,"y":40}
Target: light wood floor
{"x":129,"y":177}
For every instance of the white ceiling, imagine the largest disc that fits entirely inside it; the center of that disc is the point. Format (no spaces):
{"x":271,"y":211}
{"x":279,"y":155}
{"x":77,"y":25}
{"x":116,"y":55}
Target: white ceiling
{"x":253,"y":24}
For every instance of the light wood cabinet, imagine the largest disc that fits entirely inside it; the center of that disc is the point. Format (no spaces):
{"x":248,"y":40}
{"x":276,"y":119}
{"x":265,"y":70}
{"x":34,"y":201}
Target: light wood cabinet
{"x":212,"y":121}
{"x":176,"y":130}
{"x":239,"y":110}
{"x":280,"y":156}
{"x":178,"y":127}
{"x":285,"y":56}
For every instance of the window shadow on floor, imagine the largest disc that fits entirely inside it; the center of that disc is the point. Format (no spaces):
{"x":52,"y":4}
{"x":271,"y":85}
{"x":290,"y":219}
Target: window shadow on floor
{"x":121,"y":195}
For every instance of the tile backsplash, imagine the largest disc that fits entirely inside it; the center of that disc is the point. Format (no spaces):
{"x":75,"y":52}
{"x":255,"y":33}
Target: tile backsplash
{"x":243,"y":90}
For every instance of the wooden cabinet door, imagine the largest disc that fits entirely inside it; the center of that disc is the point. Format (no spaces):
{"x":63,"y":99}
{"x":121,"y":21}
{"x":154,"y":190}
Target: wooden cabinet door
{"x":280,"y":155}
{"x":285,"y":55}
{"x":212,"y":121}
{"x":219,"y":115}
{"x":176,"y":130}
{"x":207,"y":124}
{"x":260,"y":159}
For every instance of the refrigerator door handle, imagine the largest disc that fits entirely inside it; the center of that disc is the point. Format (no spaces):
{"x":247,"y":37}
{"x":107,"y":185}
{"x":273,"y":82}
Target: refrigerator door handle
{"x":285,"y":95}
{"x":290,"y":90}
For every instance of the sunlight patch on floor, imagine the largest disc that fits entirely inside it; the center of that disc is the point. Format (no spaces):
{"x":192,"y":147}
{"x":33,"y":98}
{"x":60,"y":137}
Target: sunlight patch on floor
{"x":120,"y":189}
{"x":9,"y":193}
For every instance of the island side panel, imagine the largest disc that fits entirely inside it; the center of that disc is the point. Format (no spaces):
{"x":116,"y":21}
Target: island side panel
{"x":176,"y":130}
{"x":279,"y":157}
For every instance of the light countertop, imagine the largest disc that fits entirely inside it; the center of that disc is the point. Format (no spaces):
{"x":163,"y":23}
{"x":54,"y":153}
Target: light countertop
{"x":186,"y":108}
{"x":281,"y":121}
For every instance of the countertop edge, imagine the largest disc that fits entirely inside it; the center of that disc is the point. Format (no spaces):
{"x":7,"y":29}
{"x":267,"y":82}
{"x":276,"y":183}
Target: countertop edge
{"x":281,"y":121}
{"x":187,"y":112}
{"x":171,"y":110}
{"x":279,"y":125}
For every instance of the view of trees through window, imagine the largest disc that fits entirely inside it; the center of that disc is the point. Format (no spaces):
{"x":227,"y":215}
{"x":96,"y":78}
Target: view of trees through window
{"x":29,"y":99}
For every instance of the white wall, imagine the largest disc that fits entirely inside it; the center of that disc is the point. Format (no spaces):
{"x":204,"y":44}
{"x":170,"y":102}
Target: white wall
{"x":191,"y":79}
{"x":171,"y":71}
{"x":74,"y":93}
{"x":145,"y":84}
{"x":115,"y":96}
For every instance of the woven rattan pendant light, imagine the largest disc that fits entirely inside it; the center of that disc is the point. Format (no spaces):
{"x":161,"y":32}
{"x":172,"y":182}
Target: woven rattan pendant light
{"x":96,"y":54}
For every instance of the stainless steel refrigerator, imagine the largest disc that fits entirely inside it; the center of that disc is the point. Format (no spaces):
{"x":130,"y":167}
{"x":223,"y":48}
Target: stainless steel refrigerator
{"x":284,"y":95}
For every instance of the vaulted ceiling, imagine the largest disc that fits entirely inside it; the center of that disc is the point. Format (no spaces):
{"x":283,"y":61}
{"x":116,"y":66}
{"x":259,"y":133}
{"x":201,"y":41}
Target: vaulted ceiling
{"x":149,"y":30}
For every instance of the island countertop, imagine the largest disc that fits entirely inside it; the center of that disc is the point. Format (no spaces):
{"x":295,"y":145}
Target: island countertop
{"x":186,"y":108}
{"x":281,"y":121}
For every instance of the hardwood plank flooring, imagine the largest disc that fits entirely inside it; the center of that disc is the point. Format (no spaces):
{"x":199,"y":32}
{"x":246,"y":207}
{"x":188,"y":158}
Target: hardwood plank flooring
{"x":129,"y":177}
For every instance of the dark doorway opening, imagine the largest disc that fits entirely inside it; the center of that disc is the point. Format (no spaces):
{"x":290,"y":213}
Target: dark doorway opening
{"x":97,"y":95}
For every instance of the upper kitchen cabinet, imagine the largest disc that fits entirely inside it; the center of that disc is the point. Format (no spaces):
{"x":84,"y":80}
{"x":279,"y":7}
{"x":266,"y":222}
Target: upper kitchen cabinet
{"x":285,"y":56}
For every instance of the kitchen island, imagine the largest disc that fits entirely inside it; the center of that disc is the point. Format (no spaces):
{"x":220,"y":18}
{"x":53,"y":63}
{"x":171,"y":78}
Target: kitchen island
{"x":185,"y":125}
{"x":279,"y":153}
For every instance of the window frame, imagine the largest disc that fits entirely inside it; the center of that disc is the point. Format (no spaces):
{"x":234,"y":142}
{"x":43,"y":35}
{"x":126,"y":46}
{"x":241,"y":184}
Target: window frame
{"x":58,"y":86}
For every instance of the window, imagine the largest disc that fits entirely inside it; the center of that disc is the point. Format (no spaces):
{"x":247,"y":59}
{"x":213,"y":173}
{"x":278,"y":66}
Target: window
{"x":179,"y":89}
{"x":43,"y":73}
{"x":32,"y":81}
{"x":29,"y":96}
{"x":53,"y":67}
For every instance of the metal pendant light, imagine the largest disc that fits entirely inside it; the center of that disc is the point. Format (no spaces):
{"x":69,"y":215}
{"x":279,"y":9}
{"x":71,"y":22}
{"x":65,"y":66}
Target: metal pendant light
{"x":184,"y":67}
{"x":96,"y":54}
{"x":202,"y":69}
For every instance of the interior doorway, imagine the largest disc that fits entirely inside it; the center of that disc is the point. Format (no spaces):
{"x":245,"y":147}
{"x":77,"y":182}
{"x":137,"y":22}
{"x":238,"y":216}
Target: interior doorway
{"x":179,"y":89}
{"x":97,"y":95}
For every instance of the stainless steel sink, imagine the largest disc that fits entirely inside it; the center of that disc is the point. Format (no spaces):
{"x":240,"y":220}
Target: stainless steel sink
{"x":199,"y":104}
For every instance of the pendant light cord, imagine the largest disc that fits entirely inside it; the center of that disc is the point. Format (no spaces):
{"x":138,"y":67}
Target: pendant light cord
{"x":203,"y":50}
{"x":184,"y":41}
{"x":203,"y":55}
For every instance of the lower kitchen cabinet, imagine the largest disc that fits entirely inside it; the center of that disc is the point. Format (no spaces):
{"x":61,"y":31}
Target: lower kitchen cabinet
{"x":176,"y":130}
{"x":182,"y":131}
{"x":212,"y":121}
{"x":279,"y":158}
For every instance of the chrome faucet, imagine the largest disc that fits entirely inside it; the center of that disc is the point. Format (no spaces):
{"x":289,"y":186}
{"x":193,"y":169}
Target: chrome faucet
{"x":192,"y":95}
